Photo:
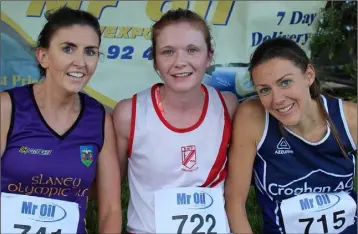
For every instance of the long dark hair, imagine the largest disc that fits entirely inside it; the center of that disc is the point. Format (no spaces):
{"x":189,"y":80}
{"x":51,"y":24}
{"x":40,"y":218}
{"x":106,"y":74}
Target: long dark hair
{"x":288,"y":49}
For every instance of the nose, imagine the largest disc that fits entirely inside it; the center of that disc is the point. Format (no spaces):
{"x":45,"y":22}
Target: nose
{"x":180,"y":60}
{"x":277,"y":97}
{"x":79,"y":59}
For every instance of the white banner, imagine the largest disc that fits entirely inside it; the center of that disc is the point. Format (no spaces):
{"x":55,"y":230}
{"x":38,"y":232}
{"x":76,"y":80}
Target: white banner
{"x":238,"y":27}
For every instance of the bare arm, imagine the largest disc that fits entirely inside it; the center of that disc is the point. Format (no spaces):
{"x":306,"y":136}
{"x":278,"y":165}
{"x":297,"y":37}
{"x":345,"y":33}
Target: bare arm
{"x":5,"y":119}
{"x":109,"y":183}
{"x":122,"y":114}
{"x":247,"y":130}
{"x":231,"y":103}
{"x":350,"y":112}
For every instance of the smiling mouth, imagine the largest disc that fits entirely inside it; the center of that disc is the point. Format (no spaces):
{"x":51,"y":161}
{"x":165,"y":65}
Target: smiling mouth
{"x":76,"y":75}
{"x":286,"y":109}
{"x":182,"y":75}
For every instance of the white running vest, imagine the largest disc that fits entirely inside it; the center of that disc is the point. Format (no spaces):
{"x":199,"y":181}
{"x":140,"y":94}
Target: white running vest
{"x":161,"y":156}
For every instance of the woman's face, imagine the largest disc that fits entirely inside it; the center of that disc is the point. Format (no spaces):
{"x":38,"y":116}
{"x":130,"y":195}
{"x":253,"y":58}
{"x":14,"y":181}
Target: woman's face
{"x":72,"y":57}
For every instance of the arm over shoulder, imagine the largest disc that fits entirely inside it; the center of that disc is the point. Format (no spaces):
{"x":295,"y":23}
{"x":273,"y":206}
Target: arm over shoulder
{"x":122,"y":117}
{"x":5,"y":119}
{"x":249,"y":122}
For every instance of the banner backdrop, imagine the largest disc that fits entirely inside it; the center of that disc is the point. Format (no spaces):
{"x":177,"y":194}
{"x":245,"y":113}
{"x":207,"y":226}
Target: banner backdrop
{"x":125,"y":68}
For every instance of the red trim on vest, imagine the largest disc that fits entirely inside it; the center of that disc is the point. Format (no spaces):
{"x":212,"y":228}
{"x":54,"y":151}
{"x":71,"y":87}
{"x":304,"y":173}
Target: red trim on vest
{"x":222,"y":154}
{"x":132,"y":128}
{"x":171,"y":127}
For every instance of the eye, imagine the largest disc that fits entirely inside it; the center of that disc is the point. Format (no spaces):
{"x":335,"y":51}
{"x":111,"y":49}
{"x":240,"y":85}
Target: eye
{"x":168,"y":52}
{"x":193,"y":50}
{"x":286,"y":83}
{"x":90,"y":52}
{"x":264,"y":91}
{"x":67,"y":49}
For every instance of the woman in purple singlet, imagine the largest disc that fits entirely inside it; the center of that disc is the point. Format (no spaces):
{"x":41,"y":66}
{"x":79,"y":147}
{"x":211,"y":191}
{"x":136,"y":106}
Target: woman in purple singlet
{"x":56,"y":140}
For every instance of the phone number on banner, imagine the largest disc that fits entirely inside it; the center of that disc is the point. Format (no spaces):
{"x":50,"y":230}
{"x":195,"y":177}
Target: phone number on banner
{"x":126,"y":52}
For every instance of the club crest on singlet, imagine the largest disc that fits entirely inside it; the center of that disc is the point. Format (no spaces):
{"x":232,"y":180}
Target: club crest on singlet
{"x":188,"y":158}
{"x":86,"y":155}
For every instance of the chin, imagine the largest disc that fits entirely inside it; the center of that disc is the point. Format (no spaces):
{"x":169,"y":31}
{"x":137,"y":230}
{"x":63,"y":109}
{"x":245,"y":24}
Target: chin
{"x":183,"y":86}
{"x":289,"y":120}
{"x":73,"y":88}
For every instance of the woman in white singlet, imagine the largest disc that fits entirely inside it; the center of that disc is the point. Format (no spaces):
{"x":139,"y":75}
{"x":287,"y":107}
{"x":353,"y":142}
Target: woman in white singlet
{"x":172,"y":137}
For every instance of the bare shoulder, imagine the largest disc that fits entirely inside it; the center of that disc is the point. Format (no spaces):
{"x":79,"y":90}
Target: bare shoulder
{"x":108,"y":119}
{"x":350,"y":109}
{"x":350,"y":113}
{"x":5,"y":100}
{"x":251,"y":108}
{"x":122,"y":115}
{"x":231,"y":102}
{"x":250,"y":115}
{"x":5,"y":107}
{"x":5,"y":119}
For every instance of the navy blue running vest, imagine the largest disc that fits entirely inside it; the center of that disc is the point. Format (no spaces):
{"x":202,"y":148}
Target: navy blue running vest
{"x":288,"y":166}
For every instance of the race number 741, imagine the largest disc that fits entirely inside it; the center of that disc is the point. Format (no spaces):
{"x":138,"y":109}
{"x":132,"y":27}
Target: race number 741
{"x":27,"y":229}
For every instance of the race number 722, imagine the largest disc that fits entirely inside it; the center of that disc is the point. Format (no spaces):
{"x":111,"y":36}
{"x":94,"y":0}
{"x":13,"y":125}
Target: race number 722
{"x":323,"y":220}
{"x":209,"y":218}
{"x":27,"y":228}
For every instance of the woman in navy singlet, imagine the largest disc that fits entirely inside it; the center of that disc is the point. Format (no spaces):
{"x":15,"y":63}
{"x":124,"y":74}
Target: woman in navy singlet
{"x":55,"y":140}
{"x":297,"y":144}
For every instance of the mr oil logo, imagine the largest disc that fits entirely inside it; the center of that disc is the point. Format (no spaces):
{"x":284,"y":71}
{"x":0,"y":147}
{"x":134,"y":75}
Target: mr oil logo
{"x":319,"y":202}
{"x":44,"y":212}
{"x":195,"y":200}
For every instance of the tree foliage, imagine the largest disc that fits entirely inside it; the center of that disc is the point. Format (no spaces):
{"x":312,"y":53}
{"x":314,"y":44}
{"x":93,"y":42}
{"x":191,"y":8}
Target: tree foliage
{"x":334,"y":43}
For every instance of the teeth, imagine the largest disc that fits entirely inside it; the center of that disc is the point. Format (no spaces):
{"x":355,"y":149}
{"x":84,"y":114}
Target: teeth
{"x":76,"y":74}
{"x":183,"y":74}
{"x":285,"y":109}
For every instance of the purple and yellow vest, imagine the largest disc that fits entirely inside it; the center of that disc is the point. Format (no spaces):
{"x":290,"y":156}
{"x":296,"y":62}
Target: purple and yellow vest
{"x":39,"y":162}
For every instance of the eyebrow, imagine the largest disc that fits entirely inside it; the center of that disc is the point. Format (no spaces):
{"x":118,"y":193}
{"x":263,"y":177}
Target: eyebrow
{"x":278,"y":81}
{"x":74,"y":45}
{"x":171,"y":47}
{"x":166,"y":47}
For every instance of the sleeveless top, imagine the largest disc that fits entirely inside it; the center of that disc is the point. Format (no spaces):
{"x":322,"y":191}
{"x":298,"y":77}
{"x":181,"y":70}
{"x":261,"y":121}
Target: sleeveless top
{"x":296,"y":179}
{"x":162,"y":156}
{"x":39,"y":162}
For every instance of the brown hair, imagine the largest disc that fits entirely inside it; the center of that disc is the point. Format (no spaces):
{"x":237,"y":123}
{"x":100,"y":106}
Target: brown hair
{"x":179,"y":16}
{"x":288,"y":49}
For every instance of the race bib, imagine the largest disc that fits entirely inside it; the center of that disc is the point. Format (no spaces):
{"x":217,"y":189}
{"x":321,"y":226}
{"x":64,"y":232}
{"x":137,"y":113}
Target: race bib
{"x":190,"y":210}
{"x":318,"y":213}
{"x":29,"y":214}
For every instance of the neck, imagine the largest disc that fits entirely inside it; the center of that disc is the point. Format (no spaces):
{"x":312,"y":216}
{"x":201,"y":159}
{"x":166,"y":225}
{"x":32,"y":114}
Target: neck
{"x":312,"y":119}
{"x":182,"y":101}
{"x":54,"y":98}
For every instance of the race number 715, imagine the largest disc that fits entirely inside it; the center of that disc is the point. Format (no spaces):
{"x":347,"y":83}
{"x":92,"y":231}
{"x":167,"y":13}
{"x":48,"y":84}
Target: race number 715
{"x":339,"y":221}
